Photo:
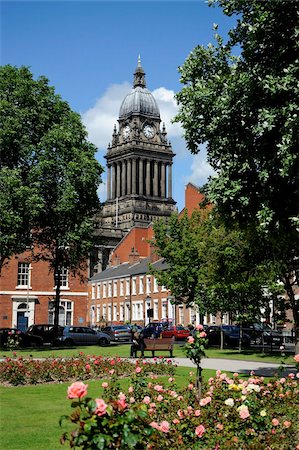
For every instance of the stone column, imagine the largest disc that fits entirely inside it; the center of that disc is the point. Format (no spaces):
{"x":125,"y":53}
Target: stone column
{"x":113,"y":181}
{"x":169,"y":180}
{"x":123,"y":178}
{"x":134,"y":176}
{"x":148,"y":177}
{"x":156,"y":177}
{"x":141,"y":177}
{"x":118,"y":179}
{"x":129,"y":176}
{"x":109,"y":182}
{"x":163,"y":180}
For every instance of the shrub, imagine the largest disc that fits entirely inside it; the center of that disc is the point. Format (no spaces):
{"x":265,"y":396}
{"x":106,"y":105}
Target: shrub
{"x":232,"y":413}
{"x":33,"y":371}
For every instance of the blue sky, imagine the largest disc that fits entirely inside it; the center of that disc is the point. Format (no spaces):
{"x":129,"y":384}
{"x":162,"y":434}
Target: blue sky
{"x":89,"y":51}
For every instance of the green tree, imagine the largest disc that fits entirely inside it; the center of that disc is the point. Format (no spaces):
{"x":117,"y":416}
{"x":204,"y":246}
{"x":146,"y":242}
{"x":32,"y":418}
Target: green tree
{"x":244,"y":108}
{"x":50,"y":171}
{"x":209,"y":266}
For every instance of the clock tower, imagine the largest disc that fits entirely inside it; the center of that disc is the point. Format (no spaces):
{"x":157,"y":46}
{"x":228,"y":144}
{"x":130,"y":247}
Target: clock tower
{"x":139,"y":166}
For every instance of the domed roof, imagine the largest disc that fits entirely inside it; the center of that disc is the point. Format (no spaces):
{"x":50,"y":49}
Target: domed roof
{"x":140,"y":100}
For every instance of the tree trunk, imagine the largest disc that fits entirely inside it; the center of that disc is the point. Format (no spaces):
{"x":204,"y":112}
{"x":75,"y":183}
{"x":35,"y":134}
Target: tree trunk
{"x":221,"y":335}
{"x":294,"y":306}
{"x":57,"y":280}
{"x":240,"y":337}
{"x":199,"y":380}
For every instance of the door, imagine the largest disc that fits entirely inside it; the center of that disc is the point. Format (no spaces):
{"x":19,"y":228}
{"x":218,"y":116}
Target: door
{"x":22,"y":321}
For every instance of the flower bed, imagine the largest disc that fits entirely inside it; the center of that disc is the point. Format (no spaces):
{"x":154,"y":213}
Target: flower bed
{"x":22,"y":371}
{"x":232,"y":413}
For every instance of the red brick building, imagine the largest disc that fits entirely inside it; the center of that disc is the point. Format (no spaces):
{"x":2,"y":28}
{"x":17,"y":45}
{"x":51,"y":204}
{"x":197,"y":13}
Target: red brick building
{"x":127,"y":292}
{"x":27,"y":292}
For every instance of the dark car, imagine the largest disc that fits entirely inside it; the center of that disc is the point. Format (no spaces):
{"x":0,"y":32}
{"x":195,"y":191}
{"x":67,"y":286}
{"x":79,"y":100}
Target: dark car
{"x":79,"y":335}
{"x":262,"y":333}
{"x":231,"y":336}
{"x":46,"y":331}
{"x":153,"y":329}
{"x":24,"y":339}
{"x":118,"y":333}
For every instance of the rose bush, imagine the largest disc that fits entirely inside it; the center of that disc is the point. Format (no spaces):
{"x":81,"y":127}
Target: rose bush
{"x":21,"y":370}
{"x":195,"y":351}
{"x":233,"y":413}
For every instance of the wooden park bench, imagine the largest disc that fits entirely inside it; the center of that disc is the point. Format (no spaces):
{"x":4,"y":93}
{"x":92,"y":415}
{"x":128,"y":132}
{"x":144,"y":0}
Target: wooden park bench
{"x":158,"y":344}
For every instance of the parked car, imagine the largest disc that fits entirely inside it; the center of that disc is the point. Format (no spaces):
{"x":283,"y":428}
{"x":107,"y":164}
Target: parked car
{"x":261,"y":332}
{"x":118,"y":333}
{"x":77,"y":335}
{"x":153,"y":329}
{"x":25,"y":340}
{"x":231,"y":335}
{"x":46,"y":331}
{"x":178,"y":331}
{"x":132,"y":325}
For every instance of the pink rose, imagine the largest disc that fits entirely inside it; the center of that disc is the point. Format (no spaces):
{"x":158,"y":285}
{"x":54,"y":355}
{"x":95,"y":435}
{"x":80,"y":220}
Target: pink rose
{"x":243,"y":412}
{"x":275,"y":422}
{"x":158,"y":388}
{"x":190,"y":339}
{"x":77,"y":390}
{"x":180,"y":413}
{"x":199,"y":431}
{"x":159,"y":398}
{"x":219,"y":426}
{"x":100,"y":407}
{"x":104,"y":385}
{"x":154,"y":425}
{"x":296,"y":358}
{"x":199,"y":327}
{"x":197,"y":412}
{"x":122,"y":401}
{"x":146,"y":400}
{"x":131,"y":389}
{"x":175,"y":421}
{"x":205,"y":401}
{"x":138,"y":369}
{"x":164,"y":426}
{"x":202,"y":334}
{"x":287,"y":423}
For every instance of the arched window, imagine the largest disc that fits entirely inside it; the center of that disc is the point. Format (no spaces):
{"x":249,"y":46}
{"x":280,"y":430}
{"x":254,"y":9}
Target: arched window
{"x":22,"y":306}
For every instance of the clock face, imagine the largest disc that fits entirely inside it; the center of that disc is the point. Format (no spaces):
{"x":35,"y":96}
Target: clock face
{"x":148,"y":131}
{"x":126,"y":132}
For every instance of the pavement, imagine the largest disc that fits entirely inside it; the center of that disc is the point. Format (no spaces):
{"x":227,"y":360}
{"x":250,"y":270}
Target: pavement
{"x":230,"y":365}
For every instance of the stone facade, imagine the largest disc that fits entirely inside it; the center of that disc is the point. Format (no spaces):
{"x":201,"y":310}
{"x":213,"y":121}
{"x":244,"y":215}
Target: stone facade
{"x":139,"y":171}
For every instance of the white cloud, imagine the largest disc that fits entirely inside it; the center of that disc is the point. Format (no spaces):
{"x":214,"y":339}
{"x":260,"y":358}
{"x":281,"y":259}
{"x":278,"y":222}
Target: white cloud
{"x":200,"y":168}
{"x":168,"y":109}
{"x":100,"y":119}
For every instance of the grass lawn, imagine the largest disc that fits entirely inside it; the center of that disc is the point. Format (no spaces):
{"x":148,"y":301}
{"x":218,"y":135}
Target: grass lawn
{"x":123,"y":350}
{"x":29,"y":415}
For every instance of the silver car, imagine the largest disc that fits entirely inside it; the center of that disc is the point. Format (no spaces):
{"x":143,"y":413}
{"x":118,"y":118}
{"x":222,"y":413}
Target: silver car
{"x":74,"y":335}
{"x":118,"y":333}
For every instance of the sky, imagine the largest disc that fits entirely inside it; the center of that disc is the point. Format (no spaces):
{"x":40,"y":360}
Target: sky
{"x":89,"y":50}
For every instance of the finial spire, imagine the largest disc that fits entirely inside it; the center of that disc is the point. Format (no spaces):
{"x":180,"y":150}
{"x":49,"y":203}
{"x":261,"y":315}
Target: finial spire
{"x":139,"y":75}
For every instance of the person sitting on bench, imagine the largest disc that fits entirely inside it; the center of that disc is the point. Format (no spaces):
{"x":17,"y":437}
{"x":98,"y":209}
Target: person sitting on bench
{"x":137,"y":344}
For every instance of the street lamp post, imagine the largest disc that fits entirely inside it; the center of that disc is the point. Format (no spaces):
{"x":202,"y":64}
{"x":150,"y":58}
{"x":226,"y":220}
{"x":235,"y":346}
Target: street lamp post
{"x":171,"y":299}
{"x":145,"y":302}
